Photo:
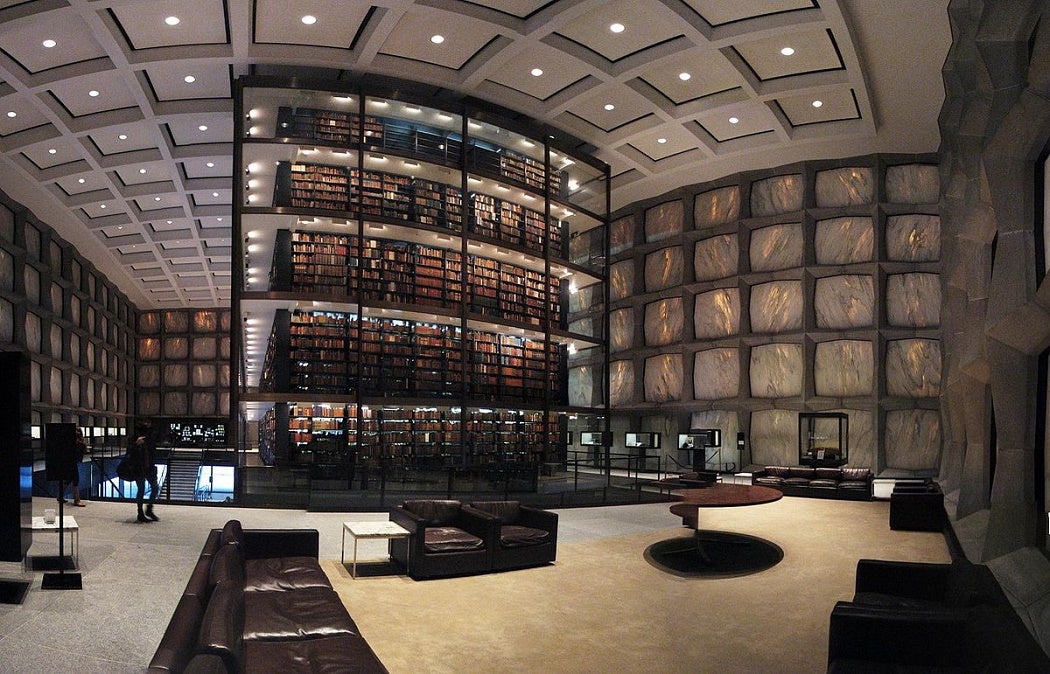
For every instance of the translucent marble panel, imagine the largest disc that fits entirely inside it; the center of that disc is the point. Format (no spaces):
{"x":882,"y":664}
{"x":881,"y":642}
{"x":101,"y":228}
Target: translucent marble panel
{"x":175,"y":374}
{"x":621,"y":234}
{"x":205,"y":348}
{"x":774,"y":438}
{"x":31,"y":278}
{"x":664,"y":221}
{"x":36,"y":378}
{"x":203,"y":402}
{"x":861,"y":438}
{"x":844,"y":368}
{"x":55,"y":257}
{"x":7,"y":321}
{"x":582,"y":386}
{"x":913,"y":300}
{"x":716,"y":374}
{"x":621,"y":382}
{"x":176,"y":403}
{"x":223,"y":404}
{"x":587,"y":247}
{"x":913,"y":368}
{"x":776,"y":307}
{"x":32,"y":239}
{"x":176,"y":348}
{"x":224,"y":376}
{"x":621,"y":329}
{"x":205,"y":321}
{"x":74,"y":389}
{"x":716,"y":314}
{"x":224,"y":321}
{"x":56,"y":341}
{"x":663,"y":322}
{"x":7,"y":271}
{"x":74,"y":349}
{"x":586,"y":298}
{"x":149,"y":376}
{"x":913,"y":238}
{"x":33,"y":336}
{"x":204,"y":375}
{"x":716,"y":207}
{"x":780,"y":194}
{"x":56,"y":299}
{"x":589,"y":326}
{"x":621,"y":280}
{"x":149,"y":322}
{"x":777,"y":247}
{"x":776,"y":371}
{"x":7,"y":224}
{"x":149,"y":348}
{"x":224,"y":347}
{"x":729,"y":423}
{"x":89,"y":394}
{"x":74,"y":309}
{"x":716,"y":258}
{"x":846,"y":301}
{"x":850,"y":186}
{"x":844,"y":240}
{"x":176,"y":321}
{"x":663,"y":268}
{"x":663,"y":378}
{"x":913,"y":184}
{"x":90,"y":357}
{"x":913,"y":439}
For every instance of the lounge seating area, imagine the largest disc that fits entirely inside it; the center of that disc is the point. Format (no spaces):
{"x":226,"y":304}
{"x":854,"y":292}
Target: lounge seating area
{"x":449,"y":538}
{"x":910,"y":616}
{"x":855,"y":484}
{"x":257,"y":600}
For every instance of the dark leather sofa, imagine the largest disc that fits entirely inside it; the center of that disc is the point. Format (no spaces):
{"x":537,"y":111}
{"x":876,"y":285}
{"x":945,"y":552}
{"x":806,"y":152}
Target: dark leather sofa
{"x":918,"y":617}
{"x":258,"y":601}
{"x":523,"y":536}
{"x":843,"y":483}
{"x":917,"y":506}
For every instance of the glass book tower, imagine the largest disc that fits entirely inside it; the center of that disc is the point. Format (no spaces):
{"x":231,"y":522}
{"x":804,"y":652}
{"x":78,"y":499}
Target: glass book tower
{"x":420,"y":299}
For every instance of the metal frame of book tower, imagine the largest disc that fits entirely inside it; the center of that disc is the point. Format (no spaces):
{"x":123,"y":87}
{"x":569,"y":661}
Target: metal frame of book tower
{"x":429,"y":322}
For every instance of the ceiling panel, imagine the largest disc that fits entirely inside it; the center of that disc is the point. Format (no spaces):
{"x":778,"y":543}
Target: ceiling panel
{"x":417,"y":34}
{"x":336,"y":22}
{"x":643,"y":25}
{"x":811,"y":51}
{"x":94,"y":93}
{"x":186,"y":80}
{"x":172,"y":23}
{"x":692,"y":74}
{"x":827,"y":106}
{"x":38,"y":44}
{"x":718,"y":12}
{"x":540,"y":71}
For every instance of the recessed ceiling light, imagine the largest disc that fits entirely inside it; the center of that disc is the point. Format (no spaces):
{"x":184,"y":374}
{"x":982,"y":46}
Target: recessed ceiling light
{"x":12,"y":113}
{"x":215,"y":194}
{"x":309,"y":19}
{"x":142,"y":171}
{"x":210,"y":164}
{"x":49,"y":43}
{"x":81,"y":181}
{"x":93,"y":93}
{"x":123,"y":136}
{"x":733,"y":120}
{"x":189,"y":79}
{"x":437,"y":39}
{"x":684,"y":76}
{"x":536,"y":72}
{"x":156,"y":198}
{"x":616,"y":27}
{"x":102,"y":206}
{"x":817,"y":104}
{"x":203,"y":127}
{"x":172,"y":20}
{"x":610,"y":106}
{"x":787,"y":51}
{"x":661,"y":141}
{"x":52,"y":150}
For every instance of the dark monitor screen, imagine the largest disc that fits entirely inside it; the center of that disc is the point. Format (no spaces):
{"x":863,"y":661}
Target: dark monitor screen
{"x":700,"y":437}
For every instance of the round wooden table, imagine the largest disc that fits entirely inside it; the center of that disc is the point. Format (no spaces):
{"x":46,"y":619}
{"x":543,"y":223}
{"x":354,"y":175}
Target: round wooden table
{"x":716,"y":553}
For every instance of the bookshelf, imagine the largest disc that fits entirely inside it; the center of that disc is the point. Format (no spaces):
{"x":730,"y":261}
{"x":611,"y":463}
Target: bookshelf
{"x":417,"y":282}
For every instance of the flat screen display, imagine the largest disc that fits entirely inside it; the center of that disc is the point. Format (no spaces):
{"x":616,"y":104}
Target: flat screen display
{"x":700,"y":437}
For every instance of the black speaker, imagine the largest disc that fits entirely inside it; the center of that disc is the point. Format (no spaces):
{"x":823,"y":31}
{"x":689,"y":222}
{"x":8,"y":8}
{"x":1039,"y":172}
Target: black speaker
{"x":60,"y":462}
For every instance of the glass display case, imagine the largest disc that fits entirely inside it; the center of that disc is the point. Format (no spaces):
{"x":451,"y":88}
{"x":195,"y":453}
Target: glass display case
{"x":823,"y":438}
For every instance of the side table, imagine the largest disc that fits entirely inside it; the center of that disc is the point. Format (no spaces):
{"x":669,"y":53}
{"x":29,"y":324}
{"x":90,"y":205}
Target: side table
{"x":369,"y":530}
{"x":69,"y":526}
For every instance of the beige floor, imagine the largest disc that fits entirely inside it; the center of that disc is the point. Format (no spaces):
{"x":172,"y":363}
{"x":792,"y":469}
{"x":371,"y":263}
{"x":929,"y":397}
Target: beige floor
{"x":600,"y":608}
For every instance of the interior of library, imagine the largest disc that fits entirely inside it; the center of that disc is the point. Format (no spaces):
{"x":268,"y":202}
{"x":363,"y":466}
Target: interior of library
{"x":550,"y":254}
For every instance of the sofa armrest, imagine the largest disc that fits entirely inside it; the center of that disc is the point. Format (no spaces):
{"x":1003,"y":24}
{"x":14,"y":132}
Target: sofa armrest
{"x":406,"y":518}
{"x":482,"y":525}
{"x":925,"y":637}
{"x":915,"y":580}
{"x":264,"y":543}
{"x":538,"y":518}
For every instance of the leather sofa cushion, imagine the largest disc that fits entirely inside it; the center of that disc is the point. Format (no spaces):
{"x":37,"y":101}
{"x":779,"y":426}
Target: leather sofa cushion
{"x":513,"y":536}
{"x":855,"y":473}
{"x":778,"y":471}
{"x":326,"y":655}
{"x":204,"y":663}
{"x":767,"y":479}
{"x":228,"y":566}
{"x":450,"y":539}
{"x":808,"y":473}
{"x":172,"y":654}
{"x":829,"y":474}
{"x":221,"y":631}
{"x":797,"y":481}
{"x":853,"y":484}
{"x":283,"y":573}
{"x":434,"y":512}
{"x":824,"y":483}
{"x":505,"y":511}
{"x":295,"y":614}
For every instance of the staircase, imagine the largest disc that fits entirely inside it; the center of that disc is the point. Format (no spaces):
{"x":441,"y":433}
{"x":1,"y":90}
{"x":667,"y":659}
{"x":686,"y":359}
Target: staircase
{"x":182,"y":476}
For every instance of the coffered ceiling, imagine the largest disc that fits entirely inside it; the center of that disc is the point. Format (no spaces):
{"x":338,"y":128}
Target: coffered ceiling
{"x":116,"y":115}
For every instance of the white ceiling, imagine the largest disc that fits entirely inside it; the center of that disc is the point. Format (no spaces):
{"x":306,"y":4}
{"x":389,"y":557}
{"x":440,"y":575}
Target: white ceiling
{"x":139,"y":174}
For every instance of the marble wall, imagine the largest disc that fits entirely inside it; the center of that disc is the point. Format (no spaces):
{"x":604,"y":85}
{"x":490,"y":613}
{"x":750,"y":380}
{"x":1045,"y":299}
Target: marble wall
{"x":777,"y":247}
{"x":663,"y":221}
{"x":843,"y":302}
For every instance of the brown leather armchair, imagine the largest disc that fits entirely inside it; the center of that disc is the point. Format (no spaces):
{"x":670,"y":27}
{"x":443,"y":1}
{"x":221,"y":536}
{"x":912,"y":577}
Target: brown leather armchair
{"x":445,"y":539}
{"x":526,"y":536}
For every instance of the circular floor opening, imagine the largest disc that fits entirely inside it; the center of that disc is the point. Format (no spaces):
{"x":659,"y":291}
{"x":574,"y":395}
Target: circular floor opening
{"x":713,"y":554}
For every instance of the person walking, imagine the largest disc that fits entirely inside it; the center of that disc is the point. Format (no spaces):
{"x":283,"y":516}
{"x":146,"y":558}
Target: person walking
{"x":140,"y":456}
{"x":79,"y":452}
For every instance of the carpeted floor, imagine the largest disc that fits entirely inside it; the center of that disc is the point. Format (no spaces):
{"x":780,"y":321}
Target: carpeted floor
{"x":603,"y":608}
